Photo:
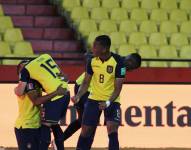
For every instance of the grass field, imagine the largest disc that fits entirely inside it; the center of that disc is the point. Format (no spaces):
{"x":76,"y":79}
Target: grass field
{"x":120,"y":149}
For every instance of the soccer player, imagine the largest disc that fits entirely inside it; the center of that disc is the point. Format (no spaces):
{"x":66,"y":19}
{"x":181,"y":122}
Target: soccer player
{"x":132,"y":62}
{"x":106,"y":72}
{"x":27,"y":125}
{"x":44,"y":70}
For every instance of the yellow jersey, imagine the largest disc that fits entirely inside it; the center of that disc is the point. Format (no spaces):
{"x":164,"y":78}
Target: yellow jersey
{"x":47,"y":73}
{"x":80,"y":79}
{"x":29,"y":115}
{"x":104,"y":74}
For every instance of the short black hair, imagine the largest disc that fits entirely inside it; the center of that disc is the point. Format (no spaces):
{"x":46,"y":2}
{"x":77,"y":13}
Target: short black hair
{"x":104,"y":40}
{"x":23,"y":62}
{"x":137,"y":57}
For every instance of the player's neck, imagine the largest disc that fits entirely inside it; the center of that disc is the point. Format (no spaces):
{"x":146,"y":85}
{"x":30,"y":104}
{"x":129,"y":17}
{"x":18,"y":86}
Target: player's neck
{"x":105,"y":57}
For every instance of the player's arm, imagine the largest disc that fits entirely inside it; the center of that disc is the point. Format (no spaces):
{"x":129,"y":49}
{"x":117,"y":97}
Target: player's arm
{"x":24,"y":78}
{"x":38,"y":99}
{"x":85,"y":84}
{"x":117,"y":89}
{"x":20,"y":88}
{"x":120,"y":73}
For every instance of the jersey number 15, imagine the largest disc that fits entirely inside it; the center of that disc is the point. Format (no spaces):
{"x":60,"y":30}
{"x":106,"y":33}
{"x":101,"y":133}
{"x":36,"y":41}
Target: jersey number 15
{"x":49,"y":67}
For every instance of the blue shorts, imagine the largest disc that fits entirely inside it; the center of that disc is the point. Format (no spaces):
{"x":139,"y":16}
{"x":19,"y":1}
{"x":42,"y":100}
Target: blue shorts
{"x":55,"y":110}
{"x":83,"y":99}
{"x":27,"y":139}
{"x":91,"y":115}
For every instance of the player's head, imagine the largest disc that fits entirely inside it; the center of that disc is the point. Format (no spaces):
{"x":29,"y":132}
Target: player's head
{"x":101,"y":45}
{"x":132,"y":61}
{"x":21,"y":65}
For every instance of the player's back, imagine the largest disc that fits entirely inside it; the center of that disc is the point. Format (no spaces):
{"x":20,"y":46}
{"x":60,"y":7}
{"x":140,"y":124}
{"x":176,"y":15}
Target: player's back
{"x":46,"y":72}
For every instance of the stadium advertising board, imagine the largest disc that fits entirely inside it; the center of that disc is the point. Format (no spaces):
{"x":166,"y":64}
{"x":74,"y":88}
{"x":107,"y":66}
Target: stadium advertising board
{"x":152,"y":116}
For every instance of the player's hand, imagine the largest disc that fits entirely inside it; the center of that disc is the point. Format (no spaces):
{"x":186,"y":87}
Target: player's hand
{"x":75,"y":99}
{"x":102,"y":105}
{"x":61,"y":91}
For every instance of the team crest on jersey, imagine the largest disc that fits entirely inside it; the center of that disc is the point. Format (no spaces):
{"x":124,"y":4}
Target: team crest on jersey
{"x":109,"y":69}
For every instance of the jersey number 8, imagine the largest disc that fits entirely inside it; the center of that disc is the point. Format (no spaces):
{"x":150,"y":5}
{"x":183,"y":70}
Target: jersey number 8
{"x":101,"y":78}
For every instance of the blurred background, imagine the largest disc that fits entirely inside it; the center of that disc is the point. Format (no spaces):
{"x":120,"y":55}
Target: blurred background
{"x":159,"y":30}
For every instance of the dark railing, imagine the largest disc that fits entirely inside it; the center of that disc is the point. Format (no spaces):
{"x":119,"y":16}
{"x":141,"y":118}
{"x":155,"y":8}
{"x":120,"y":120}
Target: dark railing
{"x":160,"y":59}
{"x":158,"y":76}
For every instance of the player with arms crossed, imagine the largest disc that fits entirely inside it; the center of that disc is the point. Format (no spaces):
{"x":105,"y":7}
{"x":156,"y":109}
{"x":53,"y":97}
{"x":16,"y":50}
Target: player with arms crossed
{"x":44,"y":70}
{"x":106,"y":72}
